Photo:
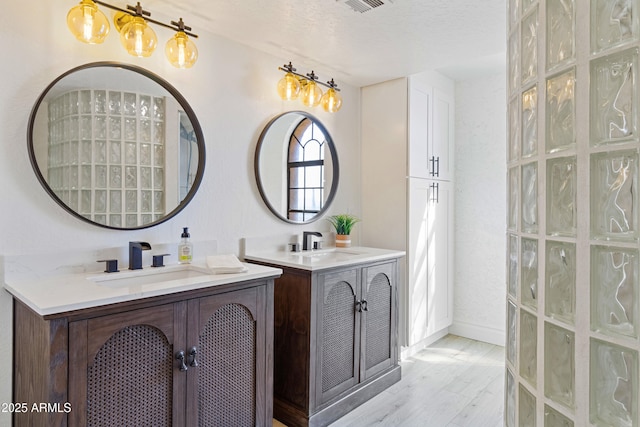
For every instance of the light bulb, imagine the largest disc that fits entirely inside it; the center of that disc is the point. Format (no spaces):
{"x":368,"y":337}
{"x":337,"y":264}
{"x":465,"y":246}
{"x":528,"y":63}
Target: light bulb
{"x":87,"y":23}
{"x":311,"y":94}
{"x":289,"y":87}
{"x":138,"y":38}
{"x":331,"y":101}
{"x":181,"y":51}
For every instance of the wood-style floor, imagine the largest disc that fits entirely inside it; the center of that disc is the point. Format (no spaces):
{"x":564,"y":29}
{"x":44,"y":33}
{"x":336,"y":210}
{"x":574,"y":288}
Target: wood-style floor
{"x":455,"y":382}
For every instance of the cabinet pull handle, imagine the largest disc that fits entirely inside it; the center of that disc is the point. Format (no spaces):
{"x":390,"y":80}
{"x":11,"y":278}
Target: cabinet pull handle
{"x":192,"y":355}
{"x":432,"y":160}
{"x":180,"y":357}
{"x":437,"y":166}
{"x":358,"y":306}
{"x":365,"y":305}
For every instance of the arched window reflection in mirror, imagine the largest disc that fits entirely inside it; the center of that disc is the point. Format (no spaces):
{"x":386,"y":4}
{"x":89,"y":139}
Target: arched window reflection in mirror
{"x":306,"y":171}
{"x":296,"y":167}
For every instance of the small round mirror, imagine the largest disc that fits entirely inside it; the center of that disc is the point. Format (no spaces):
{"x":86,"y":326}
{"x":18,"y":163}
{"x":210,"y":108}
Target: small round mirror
{"x":296,"y":167}
{"x":116,"y":145}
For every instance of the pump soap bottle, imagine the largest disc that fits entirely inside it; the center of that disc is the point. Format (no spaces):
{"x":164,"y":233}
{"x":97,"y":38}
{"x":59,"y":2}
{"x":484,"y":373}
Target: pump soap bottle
{"x":185,"y":248}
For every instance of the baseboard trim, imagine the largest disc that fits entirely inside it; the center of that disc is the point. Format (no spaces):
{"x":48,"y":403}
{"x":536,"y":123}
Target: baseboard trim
{"x":478,"y":333}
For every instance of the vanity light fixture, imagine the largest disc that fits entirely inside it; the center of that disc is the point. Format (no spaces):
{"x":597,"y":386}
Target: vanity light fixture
{"x":89,"y":25}
{"x":294,"y":85}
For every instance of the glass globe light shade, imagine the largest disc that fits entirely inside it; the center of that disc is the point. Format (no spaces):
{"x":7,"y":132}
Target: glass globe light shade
{"x":311,"y":94}
{"x":181,"y":51}
{"x":289,"y":87}
{"x":331,"y":101}
{"x":87,"y":23}
{"x":138,"y":38}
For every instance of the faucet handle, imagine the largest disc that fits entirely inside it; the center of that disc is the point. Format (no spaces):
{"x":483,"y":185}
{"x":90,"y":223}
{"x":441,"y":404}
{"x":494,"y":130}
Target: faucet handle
{"x":112,"y":265}
{"x":158,"y":260}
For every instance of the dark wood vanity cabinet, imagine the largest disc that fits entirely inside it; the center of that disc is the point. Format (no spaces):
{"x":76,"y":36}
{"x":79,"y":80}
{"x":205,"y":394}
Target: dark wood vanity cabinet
{"x":336,"y":340}
{"x":202,"y":358}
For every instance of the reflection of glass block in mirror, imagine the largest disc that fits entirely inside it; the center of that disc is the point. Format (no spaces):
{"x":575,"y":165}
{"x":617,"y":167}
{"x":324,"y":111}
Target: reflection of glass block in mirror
{"x":115,"y":220}
{"x":527,"y":408}
{"x":615,"y":290}
{"x":559,"y":364}
{"x":514,"y":62}
{"x":528,"y":347}
{"x":560,"y":32}
{"x":85,"y":102}
{"x":100,"y":128}
{"x":553,"y":418}
{"x":613,"y":23}
{"x":514,"y":191}
{"x":512,"y":268}
{"x":115,"y":201}
{"x":130,"y":129}
{"x":560,"y":112}
{"x":115,"y":103}
{"x":613,"y":384}
{"x":512,"y":333}
{"x":529,"y":47}
{"x":529,"y":198}
{"x":100,"y":102}
{"x":129,"y":104}
{"x":560,"y":281}
{"x":614,"y":205}
{"x":145,"y":131}
{"x":514,"y":129}
{"x":614,"y":98}
{"x":530,"y":122}
{"x":131,"y":200}
{"x":145,"y":106}
{"x":561,"y":196}
{"x":131,"y":220}
{"x":158,"y":108}
{"x":130,"y":153}
{"x":86,"y":180}
{"x":115,"y":128}
{"x":510,"y":400}
{"x":529,"y":273}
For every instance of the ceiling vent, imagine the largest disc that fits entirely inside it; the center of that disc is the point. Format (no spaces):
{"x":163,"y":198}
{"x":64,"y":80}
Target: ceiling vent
{"x":363,"y":6}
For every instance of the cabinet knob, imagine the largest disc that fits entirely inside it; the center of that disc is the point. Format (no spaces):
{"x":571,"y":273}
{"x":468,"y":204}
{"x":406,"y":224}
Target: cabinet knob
{"x":192,"y":355}
{"x":180,"y":357}
{"x":364,"y":305}
{"x":359,"y":306}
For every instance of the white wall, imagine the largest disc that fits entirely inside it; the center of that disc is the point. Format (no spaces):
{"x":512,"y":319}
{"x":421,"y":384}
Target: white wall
{"x":232,"y":90}
{"x":480,"y":222}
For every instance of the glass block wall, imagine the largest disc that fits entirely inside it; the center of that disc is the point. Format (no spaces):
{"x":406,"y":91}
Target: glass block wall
{"x":106,"y":157}
{"x":573,"y":262}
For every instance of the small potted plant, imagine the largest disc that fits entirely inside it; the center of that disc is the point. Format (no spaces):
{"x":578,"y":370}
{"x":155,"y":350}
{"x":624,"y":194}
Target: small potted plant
{"x":343,"y":223}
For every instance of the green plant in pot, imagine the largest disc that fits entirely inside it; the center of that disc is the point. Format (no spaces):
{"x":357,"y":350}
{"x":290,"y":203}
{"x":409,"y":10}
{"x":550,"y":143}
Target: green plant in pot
{"x":343,"y":223}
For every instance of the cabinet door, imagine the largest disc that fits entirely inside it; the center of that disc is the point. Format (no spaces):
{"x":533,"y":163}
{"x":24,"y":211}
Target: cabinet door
{"x":440,"y":256}
{"x":419,"y":130}
{"x":378,"y":319}
{"x":123,"y":370}
{"x":338,"y":332}
{"x":417,"y":303}
{"x":442,"y":147}
{"x":228,"y":387}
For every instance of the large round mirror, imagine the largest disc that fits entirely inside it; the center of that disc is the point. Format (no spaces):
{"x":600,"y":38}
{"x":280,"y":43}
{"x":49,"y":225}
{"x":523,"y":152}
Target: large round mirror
{"x":116,"y":145}
{"x":296,"y":167}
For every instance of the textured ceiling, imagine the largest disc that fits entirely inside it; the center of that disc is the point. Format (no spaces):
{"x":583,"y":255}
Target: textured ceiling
{"x":458,"y":37}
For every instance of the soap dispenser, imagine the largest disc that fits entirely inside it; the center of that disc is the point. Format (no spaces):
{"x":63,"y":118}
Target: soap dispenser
{"x":185,"y":248}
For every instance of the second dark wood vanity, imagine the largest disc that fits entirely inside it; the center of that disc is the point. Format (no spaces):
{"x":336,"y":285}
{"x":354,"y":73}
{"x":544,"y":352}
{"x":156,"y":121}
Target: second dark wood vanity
{"x":335,"y":339}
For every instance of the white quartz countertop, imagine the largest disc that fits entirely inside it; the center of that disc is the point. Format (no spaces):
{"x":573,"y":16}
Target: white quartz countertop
{"x":324,"y":258}
{"x":63,"y":293}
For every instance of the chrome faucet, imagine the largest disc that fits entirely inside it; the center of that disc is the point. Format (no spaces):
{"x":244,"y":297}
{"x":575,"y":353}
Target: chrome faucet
{"x":135,"y":254}
{"x":306,"y":239}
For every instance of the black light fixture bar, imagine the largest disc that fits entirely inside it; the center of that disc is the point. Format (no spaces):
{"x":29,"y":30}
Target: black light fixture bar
{"x":137,"y":11}
{"x":288,"y":68}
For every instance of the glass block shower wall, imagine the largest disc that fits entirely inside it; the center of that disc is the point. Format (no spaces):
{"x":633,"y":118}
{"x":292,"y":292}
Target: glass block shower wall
{"x":573,"y":259}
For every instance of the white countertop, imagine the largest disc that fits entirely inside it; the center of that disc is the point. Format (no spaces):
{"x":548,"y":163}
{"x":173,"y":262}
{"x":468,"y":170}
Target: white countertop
{"x":62,"y":293}
{"x":321,"y":259}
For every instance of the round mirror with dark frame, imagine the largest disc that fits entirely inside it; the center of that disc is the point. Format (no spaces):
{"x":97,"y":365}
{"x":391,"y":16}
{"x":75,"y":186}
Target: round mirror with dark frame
{"x":296,"y":167}
{"x":116,"y":145}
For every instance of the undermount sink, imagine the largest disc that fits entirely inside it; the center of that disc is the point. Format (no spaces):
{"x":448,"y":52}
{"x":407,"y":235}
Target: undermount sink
{"x":328,"y":254}
{"x":148,"y":276}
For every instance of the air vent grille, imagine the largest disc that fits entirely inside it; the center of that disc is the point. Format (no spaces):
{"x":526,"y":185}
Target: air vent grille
{"x":363,"y":6}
